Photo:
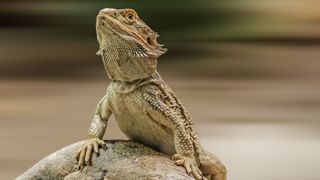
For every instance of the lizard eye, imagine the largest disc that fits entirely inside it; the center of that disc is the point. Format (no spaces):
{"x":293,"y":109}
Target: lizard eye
{"x":130,"y":16}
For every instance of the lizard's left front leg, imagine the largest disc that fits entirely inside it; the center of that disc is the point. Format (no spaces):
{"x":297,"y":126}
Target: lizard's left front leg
{"x":162,"y":114}
{"x":95,"y":134}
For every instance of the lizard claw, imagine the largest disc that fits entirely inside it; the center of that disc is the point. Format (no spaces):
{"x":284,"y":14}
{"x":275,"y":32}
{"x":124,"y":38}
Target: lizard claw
{"x":189,"y":164}
{"x":84,"y":154}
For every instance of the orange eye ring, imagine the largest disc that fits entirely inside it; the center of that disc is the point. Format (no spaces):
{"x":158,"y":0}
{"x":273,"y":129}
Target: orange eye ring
{"x":130,"y":16}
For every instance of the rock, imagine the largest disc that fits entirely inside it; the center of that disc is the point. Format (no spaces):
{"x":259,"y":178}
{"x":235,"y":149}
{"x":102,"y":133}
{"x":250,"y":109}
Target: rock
{"x":121,"y":160}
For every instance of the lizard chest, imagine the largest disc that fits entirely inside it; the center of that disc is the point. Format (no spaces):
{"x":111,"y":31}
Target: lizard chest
{"x":130,"y":112}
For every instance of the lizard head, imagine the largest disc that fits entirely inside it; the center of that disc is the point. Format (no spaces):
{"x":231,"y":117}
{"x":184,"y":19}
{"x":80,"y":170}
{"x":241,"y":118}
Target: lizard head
{"x":127,"y":44}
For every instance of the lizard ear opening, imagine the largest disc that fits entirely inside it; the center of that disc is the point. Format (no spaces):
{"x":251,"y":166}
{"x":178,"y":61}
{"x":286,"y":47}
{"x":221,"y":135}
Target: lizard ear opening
{"x":149,"y":40}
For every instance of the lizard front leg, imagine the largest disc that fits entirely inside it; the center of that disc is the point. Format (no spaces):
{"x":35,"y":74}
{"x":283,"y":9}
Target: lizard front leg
{"x":95,"y":134}
{"x":161,"y":113}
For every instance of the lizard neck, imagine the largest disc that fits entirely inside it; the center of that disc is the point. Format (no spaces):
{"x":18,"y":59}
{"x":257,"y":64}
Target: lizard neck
{"x":125,"y":87}
{"x":124,"y":63}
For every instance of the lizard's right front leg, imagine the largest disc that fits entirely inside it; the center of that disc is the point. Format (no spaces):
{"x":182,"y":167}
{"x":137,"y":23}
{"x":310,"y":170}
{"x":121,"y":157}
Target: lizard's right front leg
{"x":95,"y":134}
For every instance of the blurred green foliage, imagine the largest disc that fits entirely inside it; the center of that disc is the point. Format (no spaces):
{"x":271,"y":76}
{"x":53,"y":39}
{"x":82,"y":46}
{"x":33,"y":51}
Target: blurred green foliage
{"x":50,"y":36}
{"x":176,"y":20}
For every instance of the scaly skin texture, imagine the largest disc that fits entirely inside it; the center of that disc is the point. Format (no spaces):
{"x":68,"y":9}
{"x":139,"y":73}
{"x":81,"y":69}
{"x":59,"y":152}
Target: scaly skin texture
{"x":145,"y":108}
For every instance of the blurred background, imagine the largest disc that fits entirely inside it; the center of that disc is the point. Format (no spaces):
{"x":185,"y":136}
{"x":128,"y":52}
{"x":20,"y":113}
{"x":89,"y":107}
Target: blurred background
{"x":248,"y":71}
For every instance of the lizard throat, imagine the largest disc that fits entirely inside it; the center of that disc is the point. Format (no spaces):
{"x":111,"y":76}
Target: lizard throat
{"x":129,"y":86}
{"x":126,"y":64}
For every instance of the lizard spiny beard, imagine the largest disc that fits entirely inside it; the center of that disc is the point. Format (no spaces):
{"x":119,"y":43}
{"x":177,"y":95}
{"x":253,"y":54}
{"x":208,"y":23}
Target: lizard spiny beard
{"x":125,"y":59}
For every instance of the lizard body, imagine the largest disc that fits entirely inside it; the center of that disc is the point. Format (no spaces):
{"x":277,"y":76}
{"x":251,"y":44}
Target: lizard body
{"x":145,"y":108}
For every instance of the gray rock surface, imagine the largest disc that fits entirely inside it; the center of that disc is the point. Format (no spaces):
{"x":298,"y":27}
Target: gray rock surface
{"x":121,"y":160}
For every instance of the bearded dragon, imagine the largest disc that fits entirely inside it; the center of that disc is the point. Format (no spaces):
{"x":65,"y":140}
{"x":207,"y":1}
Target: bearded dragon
{"x":145,"y":108}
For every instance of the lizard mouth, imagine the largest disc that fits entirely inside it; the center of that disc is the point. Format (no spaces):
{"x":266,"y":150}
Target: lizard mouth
{"x":106,"y":23}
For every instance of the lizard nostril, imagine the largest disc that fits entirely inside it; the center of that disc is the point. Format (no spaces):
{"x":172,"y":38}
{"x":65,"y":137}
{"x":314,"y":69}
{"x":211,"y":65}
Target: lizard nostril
{"x":102,"y":17}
